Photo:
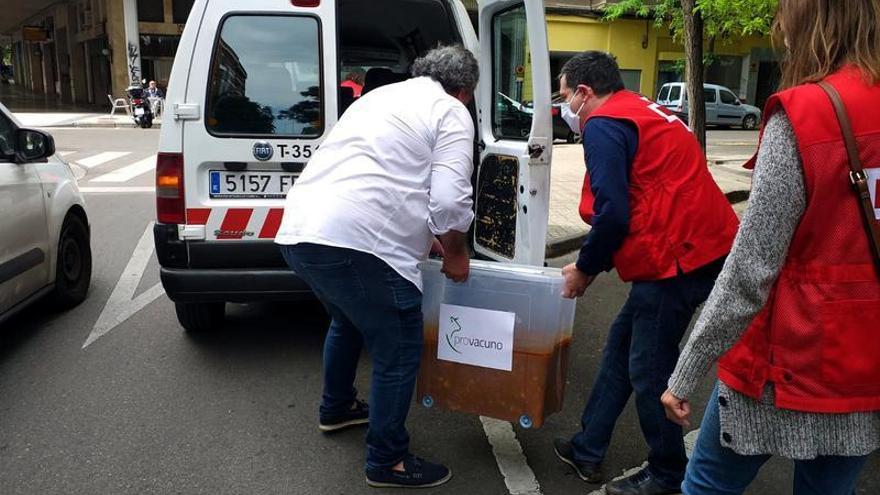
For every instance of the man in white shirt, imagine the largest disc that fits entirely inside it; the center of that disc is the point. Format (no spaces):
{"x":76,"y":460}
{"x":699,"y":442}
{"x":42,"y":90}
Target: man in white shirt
{"x":392,"y":179}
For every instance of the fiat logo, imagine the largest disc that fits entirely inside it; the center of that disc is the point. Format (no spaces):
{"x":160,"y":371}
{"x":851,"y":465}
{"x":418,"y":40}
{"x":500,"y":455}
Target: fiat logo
{"x":263,"y":151}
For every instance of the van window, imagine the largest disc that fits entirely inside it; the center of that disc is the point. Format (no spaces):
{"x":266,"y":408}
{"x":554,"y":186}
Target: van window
{"x":727,"y":97}
{"x":675,"y":93}
{"x":709,"y":95}
{"x":511,"y":75}
{"x":266,"y":77}
{"x":664,"y":93}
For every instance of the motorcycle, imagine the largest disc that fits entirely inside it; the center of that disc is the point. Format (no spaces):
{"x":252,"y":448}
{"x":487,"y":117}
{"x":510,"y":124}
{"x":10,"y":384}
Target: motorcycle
{"x":141,"y":110}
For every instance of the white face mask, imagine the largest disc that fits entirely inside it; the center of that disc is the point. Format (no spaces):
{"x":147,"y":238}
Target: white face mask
{"x":571,"y":117}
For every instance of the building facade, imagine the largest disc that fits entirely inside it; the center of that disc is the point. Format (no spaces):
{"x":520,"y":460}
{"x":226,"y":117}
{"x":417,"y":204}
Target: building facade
{"x":84,"y":50}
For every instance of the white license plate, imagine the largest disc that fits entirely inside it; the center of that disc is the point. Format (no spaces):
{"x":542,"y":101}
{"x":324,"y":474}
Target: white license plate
{"x":250,"y":184}
{"x":138,"y":111}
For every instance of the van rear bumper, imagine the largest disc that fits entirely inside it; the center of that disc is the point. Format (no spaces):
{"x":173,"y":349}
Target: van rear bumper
{"x":233,"y":285}
{"x":240,"y":271}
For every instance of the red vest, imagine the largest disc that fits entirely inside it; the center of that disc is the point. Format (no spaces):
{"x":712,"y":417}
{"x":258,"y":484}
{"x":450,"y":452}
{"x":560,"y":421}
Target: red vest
{"x":818,"y":337}
{"x":679,"y":218}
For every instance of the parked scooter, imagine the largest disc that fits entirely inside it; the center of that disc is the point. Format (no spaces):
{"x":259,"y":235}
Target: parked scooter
{"x":141,"y":111}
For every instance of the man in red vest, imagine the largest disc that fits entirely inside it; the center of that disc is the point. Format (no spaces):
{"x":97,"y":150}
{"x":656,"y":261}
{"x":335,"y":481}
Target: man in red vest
{"x":660,"y":220}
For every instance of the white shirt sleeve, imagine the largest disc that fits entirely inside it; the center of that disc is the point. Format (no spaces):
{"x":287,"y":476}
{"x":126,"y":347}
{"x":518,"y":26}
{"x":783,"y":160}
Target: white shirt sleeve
{"x":450,"y":203}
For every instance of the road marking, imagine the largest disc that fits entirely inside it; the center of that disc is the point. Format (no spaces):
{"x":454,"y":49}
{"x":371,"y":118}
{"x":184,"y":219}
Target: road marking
{"x":101,"y":158}
{"x":65,"y":153}
{"x":117,"y":190}
{"x":125,"y":174}
{"x":518,"y":476}
{"x":122,"y":304}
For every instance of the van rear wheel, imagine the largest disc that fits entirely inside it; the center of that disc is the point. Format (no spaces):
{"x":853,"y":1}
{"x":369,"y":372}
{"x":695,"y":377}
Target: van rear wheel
{"x":200,"y":317}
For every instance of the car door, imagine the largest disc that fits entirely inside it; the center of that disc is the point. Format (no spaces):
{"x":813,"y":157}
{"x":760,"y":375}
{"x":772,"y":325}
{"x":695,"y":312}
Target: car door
{"x":24,"y":243}
{"x":710,"y":96}
{"x":512,"y":193}
{"x":730,"y":110}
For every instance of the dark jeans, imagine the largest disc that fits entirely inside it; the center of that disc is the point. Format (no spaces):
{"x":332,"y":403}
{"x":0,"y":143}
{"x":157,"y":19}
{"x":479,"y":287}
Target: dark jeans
{"x":369,"y":303}
{"x":640,"y":356}
{"x":717,"y":470}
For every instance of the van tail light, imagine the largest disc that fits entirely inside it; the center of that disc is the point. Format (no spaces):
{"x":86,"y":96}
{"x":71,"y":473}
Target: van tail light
{"x":554,"y":111}
{"x":305,"y":3}
{"x":170,"y":202}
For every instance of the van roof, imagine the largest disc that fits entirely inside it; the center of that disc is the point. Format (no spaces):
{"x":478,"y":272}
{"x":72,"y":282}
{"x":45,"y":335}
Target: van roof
{"x":705,"y":85}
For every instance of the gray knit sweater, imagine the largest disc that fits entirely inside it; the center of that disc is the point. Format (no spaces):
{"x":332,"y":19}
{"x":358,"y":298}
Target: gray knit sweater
{"x":777,"y":203}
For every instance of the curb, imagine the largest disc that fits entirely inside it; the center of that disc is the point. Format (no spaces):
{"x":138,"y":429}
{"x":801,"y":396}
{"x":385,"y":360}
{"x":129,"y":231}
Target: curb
{"x":572,"y":243}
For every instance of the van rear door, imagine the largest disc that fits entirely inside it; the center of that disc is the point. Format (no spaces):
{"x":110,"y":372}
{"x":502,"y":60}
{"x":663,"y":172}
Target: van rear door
{"x":513,"y":179}
{"x":263,"y":77}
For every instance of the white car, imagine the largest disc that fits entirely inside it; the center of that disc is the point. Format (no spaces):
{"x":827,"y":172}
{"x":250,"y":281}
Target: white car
{"x":254,"y":90}
{"x":44,"y":230}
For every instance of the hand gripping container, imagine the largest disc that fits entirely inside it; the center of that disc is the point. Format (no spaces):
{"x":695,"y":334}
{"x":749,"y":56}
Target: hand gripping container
{"x":542,"y":323}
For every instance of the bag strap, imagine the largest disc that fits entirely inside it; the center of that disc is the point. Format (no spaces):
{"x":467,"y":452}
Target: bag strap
{"x":857,"y":175}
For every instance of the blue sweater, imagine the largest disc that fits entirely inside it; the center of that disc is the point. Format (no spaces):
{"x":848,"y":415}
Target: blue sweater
{"x":610,"y":146}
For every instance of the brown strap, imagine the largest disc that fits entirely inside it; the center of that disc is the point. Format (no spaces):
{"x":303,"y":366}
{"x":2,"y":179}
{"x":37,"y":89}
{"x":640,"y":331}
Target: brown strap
{"x":857,"y":174}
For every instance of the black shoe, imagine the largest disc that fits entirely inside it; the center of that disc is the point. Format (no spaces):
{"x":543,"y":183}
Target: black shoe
{"x":641,"y":483}
{"x":417,"y":473}
{"x":359,"y":414}
{"x":587,"y":471}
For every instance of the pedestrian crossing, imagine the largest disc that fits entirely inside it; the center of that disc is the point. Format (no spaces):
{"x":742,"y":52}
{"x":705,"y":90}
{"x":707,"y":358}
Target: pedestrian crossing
{"x":112,"y":171}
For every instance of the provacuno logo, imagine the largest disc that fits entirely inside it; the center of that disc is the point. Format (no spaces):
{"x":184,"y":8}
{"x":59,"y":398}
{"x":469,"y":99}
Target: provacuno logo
{"x":456,"y":339}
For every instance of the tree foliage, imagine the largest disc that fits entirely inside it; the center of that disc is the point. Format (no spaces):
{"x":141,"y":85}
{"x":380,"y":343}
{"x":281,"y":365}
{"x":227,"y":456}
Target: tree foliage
{"x":716,"y":20}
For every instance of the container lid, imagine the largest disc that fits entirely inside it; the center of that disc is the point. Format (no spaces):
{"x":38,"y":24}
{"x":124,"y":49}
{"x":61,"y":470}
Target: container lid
{"x":499,"y":270}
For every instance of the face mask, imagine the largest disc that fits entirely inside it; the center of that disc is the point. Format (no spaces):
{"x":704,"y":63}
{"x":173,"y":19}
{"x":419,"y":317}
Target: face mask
{"x":571,"y":117}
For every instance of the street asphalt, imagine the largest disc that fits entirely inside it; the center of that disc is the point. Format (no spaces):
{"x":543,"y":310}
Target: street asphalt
{"x":147,"y":409}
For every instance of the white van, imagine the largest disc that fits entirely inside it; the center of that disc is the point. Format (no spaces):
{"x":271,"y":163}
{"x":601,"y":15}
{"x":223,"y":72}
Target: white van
{"x":254,"y":90}
{"x":722,"y":106}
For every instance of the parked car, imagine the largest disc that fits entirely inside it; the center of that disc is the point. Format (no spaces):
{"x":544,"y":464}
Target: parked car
{"x":722,"y":106}
{"x":44,"y":229}
{"x":253,"y":94}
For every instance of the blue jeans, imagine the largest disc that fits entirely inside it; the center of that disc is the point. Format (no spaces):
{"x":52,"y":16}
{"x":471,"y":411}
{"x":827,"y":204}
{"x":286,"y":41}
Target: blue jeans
{"x":718,"y":470}
{"x":640,"y":356}
{"x":369,"y":304}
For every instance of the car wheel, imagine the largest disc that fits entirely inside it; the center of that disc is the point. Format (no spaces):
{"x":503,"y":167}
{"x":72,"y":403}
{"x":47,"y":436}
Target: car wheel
{"x":750,"y":122}
{"x":73,"y":269}
{"x":200,"y":317}
{"x":570,"y":138}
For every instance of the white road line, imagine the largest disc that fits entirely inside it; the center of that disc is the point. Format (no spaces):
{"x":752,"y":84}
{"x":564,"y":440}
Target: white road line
{"x":518,"y":476}
{"x":117,"y":190}
{"x":125,"y":174}
{"x":65,"y":153}
{"x":122,"y":304}
{"x":101,"y":158}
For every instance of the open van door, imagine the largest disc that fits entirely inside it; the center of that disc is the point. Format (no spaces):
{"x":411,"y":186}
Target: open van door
{"x":512,"y":193}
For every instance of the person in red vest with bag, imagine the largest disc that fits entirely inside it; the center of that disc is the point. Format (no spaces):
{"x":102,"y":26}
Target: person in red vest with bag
{"x":658,"y":218}
{"x":795,"y":315}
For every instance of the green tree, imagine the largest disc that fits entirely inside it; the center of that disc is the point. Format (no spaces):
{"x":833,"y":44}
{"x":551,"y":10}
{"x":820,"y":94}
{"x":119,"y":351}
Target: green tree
{"x":692,"y":22}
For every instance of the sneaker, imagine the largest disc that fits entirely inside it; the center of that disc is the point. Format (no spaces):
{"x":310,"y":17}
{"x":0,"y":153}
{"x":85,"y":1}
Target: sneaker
{"x":359,"y":414}
{"x":641,"y":483}
{"x":588,"y":471}
{"x":417,"y":473}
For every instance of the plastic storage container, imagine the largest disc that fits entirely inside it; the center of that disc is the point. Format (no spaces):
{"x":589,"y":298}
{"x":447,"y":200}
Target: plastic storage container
{"x":477,"y":319}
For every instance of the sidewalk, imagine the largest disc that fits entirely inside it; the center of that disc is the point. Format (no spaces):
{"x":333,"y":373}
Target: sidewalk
{"x":566,"y":230}
{"x":39,"y":110}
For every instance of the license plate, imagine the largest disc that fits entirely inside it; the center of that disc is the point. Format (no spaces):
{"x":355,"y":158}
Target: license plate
{"x":138,"y":111}
{"x":250,"y":185}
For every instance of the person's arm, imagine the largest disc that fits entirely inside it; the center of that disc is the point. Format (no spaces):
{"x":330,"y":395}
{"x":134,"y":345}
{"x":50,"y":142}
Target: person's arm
{"x":609,"y":148}
{"x":776,"y":205}
{"x":450,"y":203}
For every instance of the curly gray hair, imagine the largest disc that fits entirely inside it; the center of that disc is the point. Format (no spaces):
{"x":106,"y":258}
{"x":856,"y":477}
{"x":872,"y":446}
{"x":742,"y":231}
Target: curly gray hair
{"x":453,"y":66}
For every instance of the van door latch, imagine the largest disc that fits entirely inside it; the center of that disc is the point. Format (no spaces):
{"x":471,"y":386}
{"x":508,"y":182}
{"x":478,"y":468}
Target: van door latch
{"x":186,"y":111}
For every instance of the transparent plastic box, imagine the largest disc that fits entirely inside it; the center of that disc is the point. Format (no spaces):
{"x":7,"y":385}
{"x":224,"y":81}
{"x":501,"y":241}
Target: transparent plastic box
{"x":533,"y":388}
